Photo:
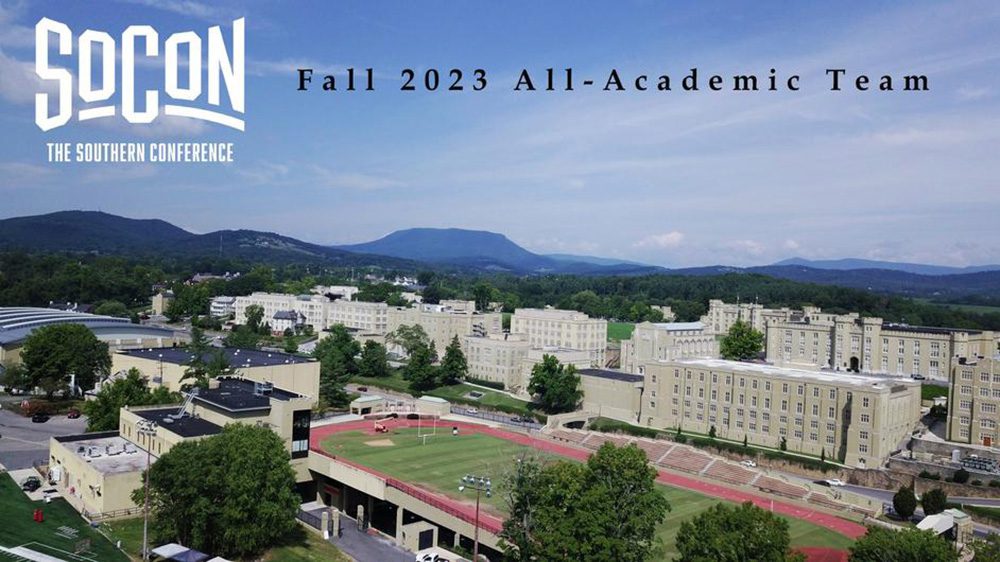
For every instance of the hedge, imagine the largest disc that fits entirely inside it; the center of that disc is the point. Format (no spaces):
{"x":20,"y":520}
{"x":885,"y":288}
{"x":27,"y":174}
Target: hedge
{"x":483,"y":382}
{"x":605,"y":425}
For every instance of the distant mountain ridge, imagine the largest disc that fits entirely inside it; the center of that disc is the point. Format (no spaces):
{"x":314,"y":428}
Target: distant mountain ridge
{"x":459,"y":250}
{"x":857,"y":263}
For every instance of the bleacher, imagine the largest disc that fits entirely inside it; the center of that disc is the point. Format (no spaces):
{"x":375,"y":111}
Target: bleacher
{"x":653,"y":449}
{"x":687,"y":459}
{"x":780,"y":487}
{"x":823,"y":500}
{"x":727,"y":472}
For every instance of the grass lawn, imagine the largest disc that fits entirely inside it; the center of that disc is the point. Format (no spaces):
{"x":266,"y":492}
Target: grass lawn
{"x":440,"y":464}
{"x":619,"y":331}
{"x":393,"y":382}
{"x":932,"y":391}
{"x":302,"y":545}
{"x":490,"y":399}
{"x":19,"y":529}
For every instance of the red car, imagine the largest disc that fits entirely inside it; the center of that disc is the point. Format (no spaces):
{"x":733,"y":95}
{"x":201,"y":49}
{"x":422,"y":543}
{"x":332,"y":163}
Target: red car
{"x":73,"y":414}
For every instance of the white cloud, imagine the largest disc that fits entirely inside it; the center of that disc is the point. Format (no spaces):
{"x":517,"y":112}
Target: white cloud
{"x":189,"y":8}
{"x":122,"y":173}
{"x":353,"y":180}
{"x":670,"y":239}
{"x":751,"y":247}
{"x":791,"y":245}
{"x":18,"y":81}
{"x":23,"y":174}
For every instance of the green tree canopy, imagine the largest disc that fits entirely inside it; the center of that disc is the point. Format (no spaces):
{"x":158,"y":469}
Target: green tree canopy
{"x":408,"y":337}
{"x":934,"y":501}
{"x":112,"y":308}
{"x":255,"y":318}
{"x":337,"y":355}
{"x":988,"y":549}
{"x":131,"y":390}
{"x":419,"y":370}
{"x":725,"y":533}
{"x":232,"y":494}
{"x":606,"y":509}
{"x":374,"y":360}
{"x":904,"y":502}
{"x":52,"y":353}
{"x":907,"y":545}
{"x":742,"y":343}
{"x":556,"y":387}
{"x":454,"y":366}
{"x":242,"y":337}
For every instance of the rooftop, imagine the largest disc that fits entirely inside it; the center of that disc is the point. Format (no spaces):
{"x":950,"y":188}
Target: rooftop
{"x":369,"y":398}
{"x":926,"y":329}
{"x":679,"y":326}
{"x":243,"y":395}
{"x":613,"y":375}
{"x":186,"y":426}
{"x":17,"y":323}
{"x":237,"y":357}
{"x":825,"y":376}
{"x":106,"y":452}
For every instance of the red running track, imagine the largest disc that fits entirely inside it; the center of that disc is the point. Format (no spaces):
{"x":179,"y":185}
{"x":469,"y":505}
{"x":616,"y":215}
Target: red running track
{"x":847,"y":528}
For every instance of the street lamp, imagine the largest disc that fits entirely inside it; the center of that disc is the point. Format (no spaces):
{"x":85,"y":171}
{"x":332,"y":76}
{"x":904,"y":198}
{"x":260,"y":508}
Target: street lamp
{"x":480,"y":485}
{"x":146,"y":428}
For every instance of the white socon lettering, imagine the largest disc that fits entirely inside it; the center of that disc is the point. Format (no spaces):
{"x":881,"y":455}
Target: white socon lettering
{"x":193,"y":89}
{"x":128,"y":74}
{"x":232,"y":70}
{"x":87,"y":91}
{"x":45,"y":121}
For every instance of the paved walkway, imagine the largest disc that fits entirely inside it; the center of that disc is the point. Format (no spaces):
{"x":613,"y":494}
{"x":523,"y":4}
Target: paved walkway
{"x":363,"y":547}
{"x":843,"y":526}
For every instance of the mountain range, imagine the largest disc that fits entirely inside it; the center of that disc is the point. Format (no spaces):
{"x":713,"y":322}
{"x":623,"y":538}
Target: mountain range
{"x":453,"y":249}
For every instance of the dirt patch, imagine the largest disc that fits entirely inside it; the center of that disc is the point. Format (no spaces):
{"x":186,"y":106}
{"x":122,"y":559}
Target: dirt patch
{"x":380,"y":443}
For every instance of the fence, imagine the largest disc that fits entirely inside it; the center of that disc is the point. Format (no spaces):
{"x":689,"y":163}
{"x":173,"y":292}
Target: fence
{"x":495,"y":417}
{"x":485,"y":522}
{"x":311,"y":519}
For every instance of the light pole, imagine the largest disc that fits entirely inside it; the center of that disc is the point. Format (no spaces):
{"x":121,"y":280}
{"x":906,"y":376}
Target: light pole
{"x":146,"y":428}
{"x":480,"y":485}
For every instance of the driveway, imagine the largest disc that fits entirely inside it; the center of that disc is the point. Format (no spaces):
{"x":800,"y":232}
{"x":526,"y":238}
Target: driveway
{"x":22,"y":442}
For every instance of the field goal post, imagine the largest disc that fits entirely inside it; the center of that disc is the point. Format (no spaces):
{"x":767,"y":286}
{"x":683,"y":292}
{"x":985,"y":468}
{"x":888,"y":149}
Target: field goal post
{"x":420,"y":428}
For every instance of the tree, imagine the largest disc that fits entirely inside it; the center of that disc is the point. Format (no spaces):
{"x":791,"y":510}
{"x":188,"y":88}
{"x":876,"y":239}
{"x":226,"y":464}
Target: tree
{"x":112,"y":308}
{"x":255,"y":318}
{"x":904,"y":502}
{"x":16,"y":378}
{"x":711,"y":432}
{"x":742,"y":343}
{"x":453,"y":367}
{"x":242,"y":337}
{"x":556,"y":386}
{"x":408,"y":337}
{"x":783,"y":445}
{"x":52,"y":353}
{"x":727,"y":533}
{"x":606,"y":509}
{"x":934,"y":501}
{"x":291,"y":346}
{"x":337,"y":364}
{"x":232,"y":494}
{"x":482,"y":293}
{"x":419,"y":370}
{"x":132,"y":390}
{"x":907,"y":545}
{"x":374,"y":360}
{"x":199,"y":370}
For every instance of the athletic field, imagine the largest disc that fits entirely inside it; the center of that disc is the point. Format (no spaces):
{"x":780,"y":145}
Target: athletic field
{"x":439,"y":462}
{"x":59,"y":535}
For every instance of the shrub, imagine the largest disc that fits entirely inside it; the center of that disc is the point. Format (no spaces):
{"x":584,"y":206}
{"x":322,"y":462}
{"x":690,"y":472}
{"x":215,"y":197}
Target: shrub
{"x":929,"y":475}
{"x":977,"y":482}
{"x":994,"y":484}
{"x":961,"y":476}
{"x":483,"y":382}
{"x":613,"y":426}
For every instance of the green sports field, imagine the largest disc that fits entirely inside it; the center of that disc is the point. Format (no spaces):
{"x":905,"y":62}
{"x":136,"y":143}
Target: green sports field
{"x":444,"y":459}
{"x":57,"y":536}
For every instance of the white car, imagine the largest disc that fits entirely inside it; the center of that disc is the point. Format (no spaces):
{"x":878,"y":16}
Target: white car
{"x":748,"y":463}
{"x":836,"y":482}
{"x":471,"y":411}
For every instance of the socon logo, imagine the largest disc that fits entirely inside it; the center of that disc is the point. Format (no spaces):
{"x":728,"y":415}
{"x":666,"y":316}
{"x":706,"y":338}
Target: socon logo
{"x":222,"y":67}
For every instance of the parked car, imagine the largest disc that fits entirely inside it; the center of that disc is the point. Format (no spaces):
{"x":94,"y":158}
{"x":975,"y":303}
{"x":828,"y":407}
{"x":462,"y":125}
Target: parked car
{"x":517,"y":419}
{"x":836,"y":482}
{"x":40,"y":417}
{"x":73,"y":414}
{"x":471,"y":411}
{"x":31,"y":483}
{"x":362,"y":389}
{"x":822,"y":482}
{"x":749,"y":463}
{"x":429,"y":557}
{"x":918,"y":377}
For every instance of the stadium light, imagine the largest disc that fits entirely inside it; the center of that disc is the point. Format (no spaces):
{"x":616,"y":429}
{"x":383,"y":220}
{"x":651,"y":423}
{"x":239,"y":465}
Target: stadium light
{"x":480,"y":484}
{"x":148,"y":429}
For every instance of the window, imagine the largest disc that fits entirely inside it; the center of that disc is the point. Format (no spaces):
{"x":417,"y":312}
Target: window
{"x":989,"y":408}
{"x":715,"y":378}
{"x":813,"y":437}
{"x":753,"y":384}
{"x":829,"y":440}
{"x":798,"y":407}
{"x":866,"y":418}
{"x":965,"y":404}
{"x":767,"y":403}
{"x":831,"y":412}
{"x":831,"y":427}
{"x":802,"y":390}
{"x":815,"y":409}
{"x":784,"y":405}
{"x":652,"y":404}
{"x":798,"y":434}
{"x":863,"y":435}
{"x":863,"y":448}
{"x":714,"y":394}
{"x":865,"y":402}
{"x":784,"y":388}
{"x":815,"y":392}
{"x":813,"y":424}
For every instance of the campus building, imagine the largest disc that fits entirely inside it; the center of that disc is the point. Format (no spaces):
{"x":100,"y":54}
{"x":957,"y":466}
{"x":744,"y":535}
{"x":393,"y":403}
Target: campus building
{"x":17,"y":323}
{"x":612,"y":394}
{"x":666,"y":341}
{"x":721,"y":316}
{"x":973,"y":401}
{"x":161,"y":302}
{"x":335,"y":292}
{"x":857,"y":419}
{"x":364,"y":317}
{"x":509,"y":359}
{"x":222,"y":307}
{"x":445,"y":321}
{"x":166,"y":366}
{"x":319,"y":311}
{"x":568,"y":329}
{"x":851,"y":342}
{"x":97,"y":472}
{"x":312,"y":307}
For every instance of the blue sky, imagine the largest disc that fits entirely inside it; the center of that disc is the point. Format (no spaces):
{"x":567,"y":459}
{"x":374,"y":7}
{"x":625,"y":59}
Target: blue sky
{"x":676,"y":179}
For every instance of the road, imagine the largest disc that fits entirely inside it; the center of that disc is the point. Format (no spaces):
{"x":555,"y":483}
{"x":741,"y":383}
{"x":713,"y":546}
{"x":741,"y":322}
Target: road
{"x":22,"y":441}
{"x":482,"y":413}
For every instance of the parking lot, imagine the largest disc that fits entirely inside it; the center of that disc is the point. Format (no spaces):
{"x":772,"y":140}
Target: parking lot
{"x":23,"y":442}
